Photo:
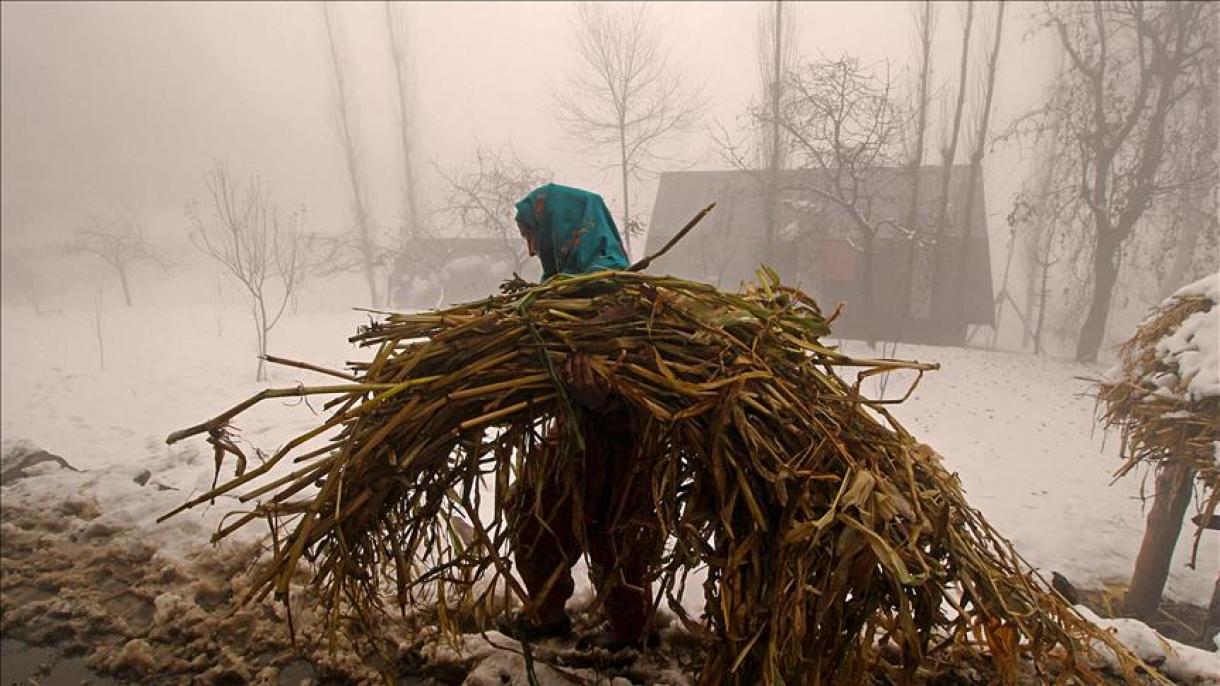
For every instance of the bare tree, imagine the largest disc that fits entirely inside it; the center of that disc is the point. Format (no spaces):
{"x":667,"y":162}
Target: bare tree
{"x":1034,"y":222}
{"x":948,"y":148}
{"x":1189,"y":245}
{"x":397,"y":32}
{"x":1130,"y":66}
{"x":843,"y":124}
{"x":918,"y":278}
{"x":761,"y":149}
{"x":118,"y":240}
{"x":925,"y":29}
{"x":624,"y":97}
{"x":776,"y":48}
{"x":1130,"y":149}
{"x":929,"y":259}
{"x":1041,"y":220}
{"x":366,"y":241}
{"x":261,"y":248}
{"x":986,"y":94}
{"x":481,"y":196}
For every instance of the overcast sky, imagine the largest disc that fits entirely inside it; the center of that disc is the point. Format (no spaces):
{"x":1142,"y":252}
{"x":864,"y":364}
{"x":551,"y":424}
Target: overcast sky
{"x":109,"y":103}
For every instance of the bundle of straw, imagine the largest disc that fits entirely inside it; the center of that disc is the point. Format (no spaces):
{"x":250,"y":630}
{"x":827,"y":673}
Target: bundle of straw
{"x":836,"y":548}
{"x":1163,"y":423}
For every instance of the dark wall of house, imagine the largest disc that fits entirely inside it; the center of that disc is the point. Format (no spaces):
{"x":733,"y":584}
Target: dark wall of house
{"x":926,"y":296}
{"x":832,"y":272}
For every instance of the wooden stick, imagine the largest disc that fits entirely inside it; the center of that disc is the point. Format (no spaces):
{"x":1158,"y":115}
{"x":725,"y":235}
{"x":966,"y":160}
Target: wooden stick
{"x":311,"y":367}
{"x":644,"y":263}
{"x":223,"y":418}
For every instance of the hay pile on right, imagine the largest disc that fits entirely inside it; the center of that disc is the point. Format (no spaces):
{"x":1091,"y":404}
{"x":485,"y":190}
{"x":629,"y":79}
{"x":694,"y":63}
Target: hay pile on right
{"x":836,"y":547}
{"x":1164,"y":393}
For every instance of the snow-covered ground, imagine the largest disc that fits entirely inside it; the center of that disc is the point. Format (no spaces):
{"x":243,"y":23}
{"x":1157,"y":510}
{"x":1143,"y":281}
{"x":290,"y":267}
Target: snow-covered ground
{"x":1018,"y":429}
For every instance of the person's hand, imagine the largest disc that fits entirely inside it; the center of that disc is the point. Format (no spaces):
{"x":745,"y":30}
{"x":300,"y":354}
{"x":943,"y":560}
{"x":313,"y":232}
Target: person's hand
{"x":583,"y":384}
{"x":514,"y":285}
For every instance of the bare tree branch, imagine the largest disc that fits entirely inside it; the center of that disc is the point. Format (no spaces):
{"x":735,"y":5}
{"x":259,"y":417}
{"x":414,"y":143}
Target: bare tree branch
{"x":261,"y":248}
{"x":843,"y":123}
{"x":1131,"y":66}
{"x":624,"y":97}
{"x":481,"y":196}
{"x":118,"y":240}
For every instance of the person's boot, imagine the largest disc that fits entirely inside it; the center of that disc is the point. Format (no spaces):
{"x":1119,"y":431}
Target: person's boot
{"x":518,"y":625}
{"x":606,"y":639}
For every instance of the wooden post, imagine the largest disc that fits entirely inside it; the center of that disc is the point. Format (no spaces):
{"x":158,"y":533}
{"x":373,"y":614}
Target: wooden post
{"x":1213,"y":612}
{"x":1173,"y":491}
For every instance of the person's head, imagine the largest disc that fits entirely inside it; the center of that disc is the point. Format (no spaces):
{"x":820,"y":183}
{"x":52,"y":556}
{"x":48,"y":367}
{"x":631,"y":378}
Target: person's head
{"x":530,"y":236}
{"x":569,"y":230}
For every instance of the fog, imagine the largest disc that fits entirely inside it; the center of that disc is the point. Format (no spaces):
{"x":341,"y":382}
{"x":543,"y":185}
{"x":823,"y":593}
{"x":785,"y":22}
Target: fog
{"x":142,"y":294}
{"x":130,"y":102}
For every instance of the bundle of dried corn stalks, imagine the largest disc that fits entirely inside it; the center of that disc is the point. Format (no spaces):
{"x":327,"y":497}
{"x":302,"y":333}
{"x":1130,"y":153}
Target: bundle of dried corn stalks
{"x":1162,"y":422}
{"x":836,"y":548}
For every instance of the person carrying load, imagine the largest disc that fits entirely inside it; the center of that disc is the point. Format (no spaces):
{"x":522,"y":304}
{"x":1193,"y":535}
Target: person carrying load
{"x":571,"y":232}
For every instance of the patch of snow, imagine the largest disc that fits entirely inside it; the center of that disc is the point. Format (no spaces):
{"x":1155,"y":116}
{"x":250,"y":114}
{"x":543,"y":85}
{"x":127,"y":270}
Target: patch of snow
{"x":1018,"y":430}
{"x":1183,"y":663}
{"x":1194,"y":350}
{"x":1208,"y":287}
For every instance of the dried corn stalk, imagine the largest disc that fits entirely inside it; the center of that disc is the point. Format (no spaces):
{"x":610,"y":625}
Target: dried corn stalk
{"x":836,"y":548}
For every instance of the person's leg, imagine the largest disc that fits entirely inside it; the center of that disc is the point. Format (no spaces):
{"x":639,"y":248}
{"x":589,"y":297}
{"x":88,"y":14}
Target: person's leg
{"x":625,"y":557}
{"x":622,"y":544}
{"x":544,"y":544}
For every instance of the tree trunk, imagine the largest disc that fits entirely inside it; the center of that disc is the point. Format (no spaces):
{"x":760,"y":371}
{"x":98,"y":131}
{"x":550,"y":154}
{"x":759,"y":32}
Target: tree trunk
{"x":1031,"y":288}
{"x":1105,"y":276}
{"x":1173,"y":491}
{"x":1213,"y":611}
{"x":976,"y":164}
{"x":1043,"y":288}
{"x":1039,"y":259}
{"x":97,"y":330}
{"x":410,"y":203}
{"x":260,"y":323}
{"x":122,"y":270}
{"x":916,"y":165}
{"x":948,"y":153}
{"x":773,"y":162}
{"x":1136,"y":197}
{"x":870,"y":311}
{"x":367,"y":249}
{"x":997,"y":314}
{"x":622,"y":140}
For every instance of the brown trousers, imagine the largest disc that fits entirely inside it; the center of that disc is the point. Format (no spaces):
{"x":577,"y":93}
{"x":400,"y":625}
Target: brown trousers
{"x":548,"y":535}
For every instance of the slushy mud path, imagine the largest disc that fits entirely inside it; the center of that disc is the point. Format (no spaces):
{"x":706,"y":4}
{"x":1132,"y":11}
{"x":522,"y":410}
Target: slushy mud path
{"x":84,"y":590}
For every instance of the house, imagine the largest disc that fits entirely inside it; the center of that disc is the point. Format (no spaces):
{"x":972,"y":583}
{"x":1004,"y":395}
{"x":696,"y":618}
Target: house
{"x":928,"y":284}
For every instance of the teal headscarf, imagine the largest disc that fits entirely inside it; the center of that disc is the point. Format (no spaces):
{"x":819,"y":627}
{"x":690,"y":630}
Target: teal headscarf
{"x":574,"y":231}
